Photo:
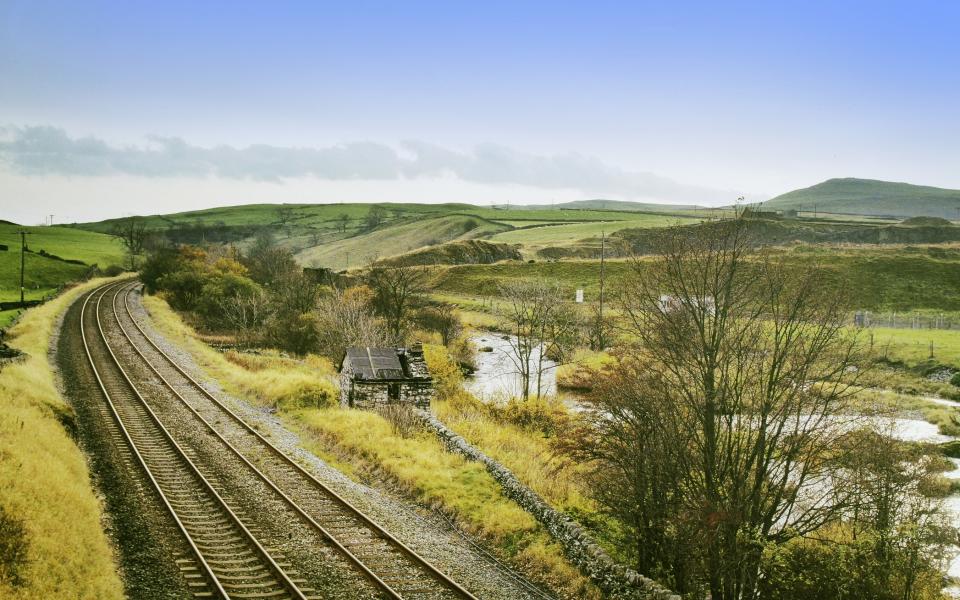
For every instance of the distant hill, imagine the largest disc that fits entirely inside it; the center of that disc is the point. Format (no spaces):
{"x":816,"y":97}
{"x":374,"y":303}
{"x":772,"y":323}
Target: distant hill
{"x":623,"y":205}
{"x":871,"y":197}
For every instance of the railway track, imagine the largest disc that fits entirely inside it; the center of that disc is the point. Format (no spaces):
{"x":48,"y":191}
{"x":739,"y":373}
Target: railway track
{"x":393,"y":567}
{"x":227,"y":559}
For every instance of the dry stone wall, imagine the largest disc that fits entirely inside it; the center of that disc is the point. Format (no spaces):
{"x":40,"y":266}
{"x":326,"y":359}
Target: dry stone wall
{"x":613,"y":578}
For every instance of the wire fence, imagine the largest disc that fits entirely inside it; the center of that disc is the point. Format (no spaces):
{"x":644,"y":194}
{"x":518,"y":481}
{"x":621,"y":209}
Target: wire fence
{"x":905,"y":320}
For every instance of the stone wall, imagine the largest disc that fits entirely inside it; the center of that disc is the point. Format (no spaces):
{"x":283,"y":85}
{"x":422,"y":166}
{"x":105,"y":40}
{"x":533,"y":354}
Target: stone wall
{"x":612,"y":577}
{"x":371,"y":394}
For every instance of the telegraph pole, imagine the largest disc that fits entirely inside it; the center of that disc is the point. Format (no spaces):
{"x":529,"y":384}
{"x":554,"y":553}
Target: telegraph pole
{"x":23,"y":248}
{"x":600,"y":340}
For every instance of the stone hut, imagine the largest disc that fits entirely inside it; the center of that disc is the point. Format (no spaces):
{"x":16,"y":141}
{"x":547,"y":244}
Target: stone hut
{"x":370,"y":377}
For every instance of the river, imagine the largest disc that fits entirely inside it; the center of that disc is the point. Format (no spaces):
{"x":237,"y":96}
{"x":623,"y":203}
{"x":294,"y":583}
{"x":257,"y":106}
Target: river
{"x":497,"y":377}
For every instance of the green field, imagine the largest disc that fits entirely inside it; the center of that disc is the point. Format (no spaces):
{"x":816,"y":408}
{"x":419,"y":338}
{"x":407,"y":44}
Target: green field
{"x":66,"y":242}
{"x":44,"y":275}
{"x":913,"y":346}
{"x":878,"y":278}
{"x":561,"y":235}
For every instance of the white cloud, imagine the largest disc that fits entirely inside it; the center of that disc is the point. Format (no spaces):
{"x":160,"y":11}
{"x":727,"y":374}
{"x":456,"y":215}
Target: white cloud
{"x":45,"y":150}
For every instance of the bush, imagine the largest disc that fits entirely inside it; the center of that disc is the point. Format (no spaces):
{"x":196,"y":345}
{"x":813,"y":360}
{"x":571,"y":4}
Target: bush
{"x":403,"y":420}
{"x":447,"y":376}
{"x":544,"y":415}
{"x":217,"y":290}
{"x":955,"y":380}
{"x":113,"y":270}
{"x":811,"y":569}
{"x":185,"y":288}
{"x":295,"y":332}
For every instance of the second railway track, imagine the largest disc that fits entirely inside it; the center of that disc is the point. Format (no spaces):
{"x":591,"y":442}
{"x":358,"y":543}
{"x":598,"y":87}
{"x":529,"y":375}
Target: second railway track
{"x":394,"y":568}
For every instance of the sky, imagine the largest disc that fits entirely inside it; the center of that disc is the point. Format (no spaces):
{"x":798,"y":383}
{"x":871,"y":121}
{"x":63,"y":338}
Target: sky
{"x":116,"y":108}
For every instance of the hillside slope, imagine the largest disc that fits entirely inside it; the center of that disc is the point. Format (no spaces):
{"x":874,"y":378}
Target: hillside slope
{"x":462,"y":252}
{"x":55,"y":256}
{"x":390,"y":241}
{"x":871,"y":197}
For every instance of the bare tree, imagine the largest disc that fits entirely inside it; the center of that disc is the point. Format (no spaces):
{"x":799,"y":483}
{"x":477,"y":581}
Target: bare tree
{"x":892,"y":484}
{"x":443,"y":319}
{"x":133,"y":234}
{"x":632,"y":443}
{"x":396,"y":291}
{"x":269,"y":263}
{"x":342,"y":220}
{"x":245,"y":313}
{"x":542,"y":326}
{"x":346,"y":319}
{"x":754,"y":368}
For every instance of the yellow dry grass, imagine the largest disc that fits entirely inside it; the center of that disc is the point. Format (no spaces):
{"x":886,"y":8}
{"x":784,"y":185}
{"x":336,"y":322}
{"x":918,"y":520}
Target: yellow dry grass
{"x":269,"y":379}
{"x":44,"y":478}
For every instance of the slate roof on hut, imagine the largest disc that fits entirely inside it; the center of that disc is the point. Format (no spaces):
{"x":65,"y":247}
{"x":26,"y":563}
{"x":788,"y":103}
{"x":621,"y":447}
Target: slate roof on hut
{"x":385,"y":363}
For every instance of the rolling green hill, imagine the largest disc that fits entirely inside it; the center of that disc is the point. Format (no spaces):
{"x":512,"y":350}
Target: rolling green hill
{"x":391,"y":240}
{"x":871,"y":197}
{"x":337,"y":235}
{"x":57,"y":255}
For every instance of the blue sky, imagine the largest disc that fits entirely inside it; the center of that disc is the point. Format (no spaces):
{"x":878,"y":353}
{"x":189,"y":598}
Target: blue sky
{"x":127,"y":107}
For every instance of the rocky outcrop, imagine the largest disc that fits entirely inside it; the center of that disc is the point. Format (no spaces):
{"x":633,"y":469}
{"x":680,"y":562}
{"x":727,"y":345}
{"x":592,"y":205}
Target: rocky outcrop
{"x":613,"y":578}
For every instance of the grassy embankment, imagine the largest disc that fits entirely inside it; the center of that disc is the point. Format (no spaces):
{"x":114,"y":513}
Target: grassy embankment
{"x":44,"y":275}
{"x":365,"y":446}
{"x":44,"y":479}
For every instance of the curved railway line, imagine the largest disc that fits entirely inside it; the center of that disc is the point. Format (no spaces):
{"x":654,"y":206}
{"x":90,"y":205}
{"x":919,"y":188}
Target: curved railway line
{"x":229,"y":561}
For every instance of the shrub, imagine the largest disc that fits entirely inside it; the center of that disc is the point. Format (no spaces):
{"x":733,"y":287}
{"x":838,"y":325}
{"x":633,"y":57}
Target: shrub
{"x":184,"y":288}
{"x":447,"y":377}
{"x":811,"y":569}
{"x":403,"y":420}
{"x":295,"y":332}
{"x":539,"y":414}
{"x":158,"y":264}
{"x":113,"y":270}
{"x":955,"y":380}
{"x":217,"y":290}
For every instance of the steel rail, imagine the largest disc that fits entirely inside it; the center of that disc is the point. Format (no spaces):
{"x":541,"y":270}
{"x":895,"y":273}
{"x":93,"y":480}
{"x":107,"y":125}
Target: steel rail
{"x":262,"y":476}
{"x":373,"y":525}
{"x":271,"y":565}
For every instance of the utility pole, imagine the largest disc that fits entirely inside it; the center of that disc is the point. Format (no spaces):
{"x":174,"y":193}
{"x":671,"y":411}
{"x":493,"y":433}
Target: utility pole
{"x":600,"y":341}
{"x":23,"y":248}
